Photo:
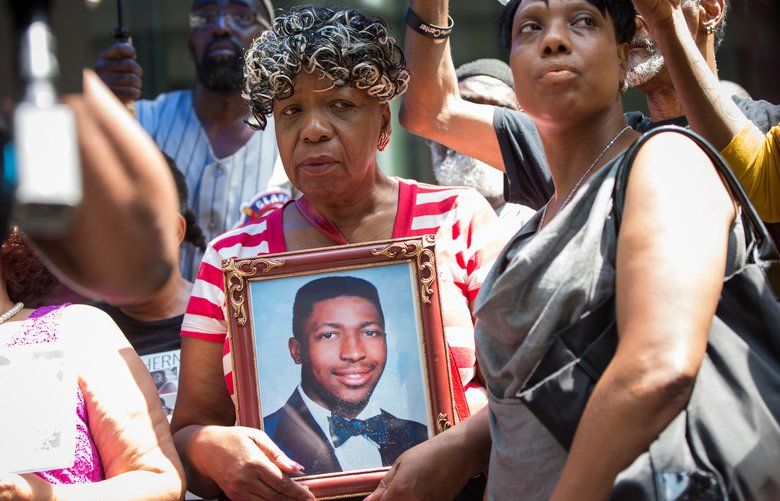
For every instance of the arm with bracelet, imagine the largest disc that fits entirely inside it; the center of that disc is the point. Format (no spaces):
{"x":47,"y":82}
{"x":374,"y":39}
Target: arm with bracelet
{"x":432,"y":107}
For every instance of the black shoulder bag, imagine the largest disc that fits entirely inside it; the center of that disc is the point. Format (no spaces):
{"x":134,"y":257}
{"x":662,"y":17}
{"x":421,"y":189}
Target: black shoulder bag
{"x":726,"y":443}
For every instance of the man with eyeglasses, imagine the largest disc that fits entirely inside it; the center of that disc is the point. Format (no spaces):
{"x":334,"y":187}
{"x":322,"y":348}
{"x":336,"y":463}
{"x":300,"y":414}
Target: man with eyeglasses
{"x":232,"y":171}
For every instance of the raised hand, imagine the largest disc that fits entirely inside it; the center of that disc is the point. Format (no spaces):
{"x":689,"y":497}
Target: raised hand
{"x":120,"y":71}
{"x":656,"y":11}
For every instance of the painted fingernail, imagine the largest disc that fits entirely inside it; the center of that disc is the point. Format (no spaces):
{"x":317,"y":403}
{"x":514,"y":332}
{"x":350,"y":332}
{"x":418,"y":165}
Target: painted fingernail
{"x":297,"y":466}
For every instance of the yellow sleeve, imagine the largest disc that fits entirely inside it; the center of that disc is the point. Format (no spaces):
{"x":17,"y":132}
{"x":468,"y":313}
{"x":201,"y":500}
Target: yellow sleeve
{"x":755,"y":159}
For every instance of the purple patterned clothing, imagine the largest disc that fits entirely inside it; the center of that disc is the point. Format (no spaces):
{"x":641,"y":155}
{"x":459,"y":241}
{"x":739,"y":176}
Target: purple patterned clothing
{"x":42,"y":326}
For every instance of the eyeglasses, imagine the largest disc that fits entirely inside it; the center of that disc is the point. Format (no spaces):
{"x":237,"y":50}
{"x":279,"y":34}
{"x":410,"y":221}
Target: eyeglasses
{"x":242,"y":19}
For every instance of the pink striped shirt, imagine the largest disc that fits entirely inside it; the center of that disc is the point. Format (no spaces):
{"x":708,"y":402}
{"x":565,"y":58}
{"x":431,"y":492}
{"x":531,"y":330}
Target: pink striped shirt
{"x":467,"y":243}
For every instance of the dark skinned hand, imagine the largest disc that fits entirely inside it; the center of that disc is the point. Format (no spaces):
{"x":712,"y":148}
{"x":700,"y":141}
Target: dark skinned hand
{"x":426,"y":472}
{"x":657,"y":11}
{"x":120,"y":71}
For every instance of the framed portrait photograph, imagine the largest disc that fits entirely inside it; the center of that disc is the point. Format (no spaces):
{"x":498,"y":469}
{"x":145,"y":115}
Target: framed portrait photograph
{"x":339,"y":356}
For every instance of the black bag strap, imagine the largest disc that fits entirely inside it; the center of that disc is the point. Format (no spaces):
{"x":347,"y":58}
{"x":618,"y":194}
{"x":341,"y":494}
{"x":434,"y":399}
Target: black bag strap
{"x":761,"y":249}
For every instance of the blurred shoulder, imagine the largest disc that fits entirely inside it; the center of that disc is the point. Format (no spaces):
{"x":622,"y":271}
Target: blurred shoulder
{"x":85,"y":312}
{"x":170,"y":103}
{"x":90,"y":326}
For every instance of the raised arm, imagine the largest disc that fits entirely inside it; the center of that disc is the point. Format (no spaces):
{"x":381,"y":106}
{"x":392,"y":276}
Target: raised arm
{"x":665,"y":303}
{"x":432,"y":107}
{"x":710,"y":113}
{"x":118,"y":68}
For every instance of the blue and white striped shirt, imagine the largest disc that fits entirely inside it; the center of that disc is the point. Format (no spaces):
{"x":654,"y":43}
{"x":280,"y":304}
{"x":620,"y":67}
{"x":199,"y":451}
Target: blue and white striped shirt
{"x":217,"y":186}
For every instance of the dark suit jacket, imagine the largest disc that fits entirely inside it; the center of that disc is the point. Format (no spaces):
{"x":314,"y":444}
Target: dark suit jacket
{"x":295,"y":431}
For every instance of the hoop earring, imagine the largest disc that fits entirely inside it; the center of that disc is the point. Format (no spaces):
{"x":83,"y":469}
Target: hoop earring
{"x":384,"y":140}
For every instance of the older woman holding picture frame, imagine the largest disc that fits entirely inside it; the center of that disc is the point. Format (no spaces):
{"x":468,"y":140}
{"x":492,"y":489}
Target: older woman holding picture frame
{"x":326,"y":75}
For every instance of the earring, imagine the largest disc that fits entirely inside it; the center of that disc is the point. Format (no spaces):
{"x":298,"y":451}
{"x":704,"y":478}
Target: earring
{"x":712,"y":29}
{"x":384,"y":140}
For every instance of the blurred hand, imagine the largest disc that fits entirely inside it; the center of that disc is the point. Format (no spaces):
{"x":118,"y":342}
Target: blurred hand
{"x":122,"y":244}
{"x":119,"y":70}
{"x":429,"y":471}
{"x":247,"y":465}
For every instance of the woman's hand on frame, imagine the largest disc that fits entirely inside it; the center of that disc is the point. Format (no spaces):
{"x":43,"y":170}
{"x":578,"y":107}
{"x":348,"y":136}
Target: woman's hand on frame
{"x":428,"y":471}
{"x":247,"y":465}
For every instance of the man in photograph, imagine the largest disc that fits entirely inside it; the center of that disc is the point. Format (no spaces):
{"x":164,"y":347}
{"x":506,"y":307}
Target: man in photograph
{"x":331,"y":423}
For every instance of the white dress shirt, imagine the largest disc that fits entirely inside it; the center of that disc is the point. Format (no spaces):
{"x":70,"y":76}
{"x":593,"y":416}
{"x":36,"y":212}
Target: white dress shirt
{"x":359,"y":452}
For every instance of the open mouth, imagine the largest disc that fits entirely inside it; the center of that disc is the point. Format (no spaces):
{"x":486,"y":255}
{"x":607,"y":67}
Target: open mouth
{"x":222,"y":51}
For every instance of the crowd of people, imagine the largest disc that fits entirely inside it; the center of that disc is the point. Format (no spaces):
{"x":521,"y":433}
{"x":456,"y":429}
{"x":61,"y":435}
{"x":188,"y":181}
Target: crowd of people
{"x":543,"y":213}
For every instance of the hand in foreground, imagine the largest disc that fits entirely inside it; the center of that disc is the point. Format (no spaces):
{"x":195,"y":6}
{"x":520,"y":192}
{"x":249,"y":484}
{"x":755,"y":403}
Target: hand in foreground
{"x":120,"y":71}
{"x":246,"y":465}
{"x":27,"y":487}
{"x":428,"y":471}
{"x":122,"y":244}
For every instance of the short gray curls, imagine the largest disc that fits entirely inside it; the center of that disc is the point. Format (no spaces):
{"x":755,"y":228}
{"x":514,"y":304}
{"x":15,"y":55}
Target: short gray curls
{"x":347,"y":47}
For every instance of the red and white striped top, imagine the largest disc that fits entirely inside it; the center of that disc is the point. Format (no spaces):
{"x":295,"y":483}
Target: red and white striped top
{"x":468,"y":241}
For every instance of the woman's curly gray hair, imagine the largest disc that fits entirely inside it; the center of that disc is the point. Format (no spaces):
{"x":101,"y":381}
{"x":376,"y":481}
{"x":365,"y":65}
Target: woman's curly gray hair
{"x":347,"y":47}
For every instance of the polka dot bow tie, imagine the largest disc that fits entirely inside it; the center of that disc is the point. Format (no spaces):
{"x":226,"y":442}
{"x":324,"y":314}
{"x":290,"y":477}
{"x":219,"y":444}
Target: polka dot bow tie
{"x":341,"y":429}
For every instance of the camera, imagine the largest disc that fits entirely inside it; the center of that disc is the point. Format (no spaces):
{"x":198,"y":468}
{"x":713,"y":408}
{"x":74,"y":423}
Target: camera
{"x":40,"y":186}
